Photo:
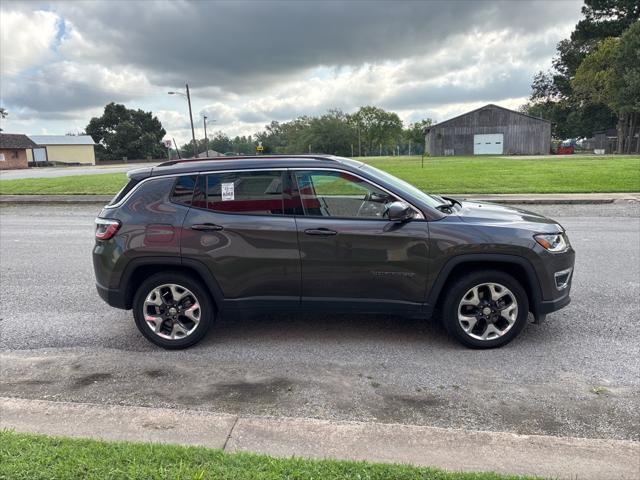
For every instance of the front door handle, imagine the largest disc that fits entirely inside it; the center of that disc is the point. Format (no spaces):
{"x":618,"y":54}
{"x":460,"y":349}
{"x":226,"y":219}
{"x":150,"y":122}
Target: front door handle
{"x":206,"y":227}
{"x":320,"y":231}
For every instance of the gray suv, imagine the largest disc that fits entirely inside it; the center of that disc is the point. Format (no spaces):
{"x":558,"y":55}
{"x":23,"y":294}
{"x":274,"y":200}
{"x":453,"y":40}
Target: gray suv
{"x":185,"y":241}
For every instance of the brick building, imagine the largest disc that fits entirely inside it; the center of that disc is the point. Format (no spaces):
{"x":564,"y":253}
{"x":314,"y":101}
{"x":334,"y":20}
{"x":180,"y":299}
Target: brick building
{"x":13,"y":150}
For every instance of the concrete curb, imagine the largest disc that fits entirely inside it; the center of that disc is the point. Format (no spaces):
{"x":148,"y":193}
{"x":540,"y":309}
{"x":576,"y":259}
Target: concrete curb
{"x":548,"y":456}
{"x":531,"y":199}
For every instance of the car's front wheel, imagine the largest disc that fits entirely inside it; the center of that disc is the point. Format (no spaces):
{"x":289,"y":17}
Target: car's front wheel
{"x":172,"y":310}
{"x":485,"y":309}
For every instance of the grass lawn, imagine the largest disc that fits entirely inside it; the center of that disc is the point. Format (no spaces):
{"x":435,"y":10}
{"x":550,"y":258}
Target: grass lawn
{"x":502,"y":175}
{"x":439,"y":175}
{"x":33,"y":457}
{"x":107,"y":184}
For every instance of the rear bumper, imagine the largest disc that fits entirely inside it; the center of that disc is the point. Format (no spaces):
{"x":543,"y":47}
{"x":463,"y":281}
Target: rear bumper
{"x":113,"y":297}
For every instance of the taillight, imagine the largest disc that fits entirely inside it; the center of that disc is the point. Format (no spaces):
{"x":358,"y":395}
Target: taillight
{"x":106,"y":228}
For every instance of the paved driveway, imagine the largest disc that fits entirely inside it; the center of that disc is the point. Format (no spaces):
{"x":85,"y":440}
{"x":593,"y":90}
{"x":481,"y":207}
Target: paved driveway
{"x":575,"y":375}
{"x":51,"y":172}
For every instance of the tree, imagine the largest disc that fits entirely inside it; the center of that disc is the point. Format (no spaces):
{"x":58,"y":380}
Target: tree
{"x":552,"y":94}
{"x":220,"y":142}
{"x":3,"y":114}
{"x":377,"y":128}
{"x":415,"y":131}
{"x":610,"y":75}
{"x":122,"y":132}
{"x":330,"y":133}
{"x":282,"y":138}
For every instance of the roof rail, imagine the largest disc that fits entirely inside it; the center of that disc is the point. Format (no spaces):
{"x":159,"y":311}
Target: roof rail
{"x":245,"y":157}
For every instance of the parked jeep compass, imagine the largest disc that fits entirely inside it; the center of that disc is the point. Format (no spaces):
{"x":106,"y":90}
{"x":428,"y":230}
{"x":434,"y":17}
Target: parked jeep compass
{"x":187,"y":240}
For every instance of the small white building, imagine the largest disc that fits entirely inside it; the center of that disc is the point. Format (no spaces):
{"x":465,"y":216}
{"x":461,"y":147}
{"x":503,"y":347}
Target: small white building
{"x":210,"y":154}
{"x":63,"y":149}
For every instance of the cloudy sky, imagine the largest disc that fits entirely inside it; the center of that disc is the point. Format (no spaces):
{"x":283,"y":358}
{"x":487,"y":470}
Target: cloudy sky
{"x":250,"y":62}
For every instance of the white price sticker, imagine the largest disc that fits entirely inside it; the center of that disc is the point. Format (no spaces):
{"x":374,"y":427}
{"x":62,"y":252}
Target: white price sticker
{"x":227,"y":192}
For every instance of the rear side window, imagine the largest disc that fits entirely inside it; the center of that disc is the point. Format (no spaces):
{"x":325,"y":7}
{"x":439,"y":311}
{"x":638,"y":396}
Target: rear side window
{"x":254,"y":193}
{"x":126,"y":189}
{"x":183,"y":189}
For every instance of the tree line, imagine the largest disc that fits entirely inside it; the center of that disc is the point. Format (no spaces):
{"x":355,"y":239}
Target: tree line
{"x":135,"y":134}
{"x":369,"y":131}
{"x":594,"y":84}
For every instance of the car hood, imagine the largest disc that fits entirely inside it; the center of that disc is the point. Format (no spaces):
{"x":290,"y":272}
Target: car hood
{"x":494,"y":214}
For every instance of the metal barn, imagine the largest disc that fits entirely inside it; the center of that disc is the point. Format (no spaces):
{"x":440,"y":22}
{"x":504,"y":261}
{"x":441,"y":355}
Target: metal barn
{"x":490,"y":130}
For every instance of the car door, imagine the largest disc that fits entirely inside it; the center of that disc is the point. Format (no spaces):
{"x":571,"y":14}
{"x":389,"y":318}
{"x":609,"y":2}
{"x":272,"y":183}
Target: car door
{"x":351,"y":256}
{"x":236,"y":226}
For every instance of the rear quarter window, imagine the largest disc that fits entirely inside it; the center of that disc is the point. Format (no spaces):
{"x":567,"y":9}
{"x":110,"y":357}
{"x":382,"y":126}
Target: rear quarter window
{"x":123,"y":191}
{"x":182,"y":192}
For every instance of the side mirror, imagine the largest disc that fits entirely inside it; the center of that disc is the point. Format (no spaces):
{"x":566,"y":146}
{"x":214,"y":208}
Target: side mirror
{"x":399,"y":212}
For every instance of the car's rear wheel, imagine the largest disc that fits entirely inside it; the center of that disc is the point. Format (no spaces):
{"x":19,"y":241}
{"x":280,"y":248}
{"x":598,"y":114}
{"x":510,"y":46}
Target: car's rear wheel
{"x":485,"y":309}
{"x":172,"y":310}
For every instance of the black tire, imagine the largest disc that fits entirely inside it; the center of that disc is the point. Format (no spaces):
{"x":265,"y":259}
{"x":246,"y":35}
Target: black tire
{"x":207,"y":313}
{"x":464,"y":284}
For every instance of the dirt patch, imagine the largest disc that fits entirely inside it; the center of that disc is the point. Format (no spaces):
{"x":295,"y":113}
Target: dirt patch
{"x":155,"y":373}
{"x":28,"y":383}
{"x":234,"y":396}
{"x":409,"y":408}
{"x":90,"y":379}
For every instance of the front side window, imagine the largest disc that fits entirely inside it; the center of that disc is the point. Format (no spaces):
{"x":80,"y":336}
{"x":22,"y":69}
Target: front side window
{"x":340,"y":194}
{"x":256,"y":193}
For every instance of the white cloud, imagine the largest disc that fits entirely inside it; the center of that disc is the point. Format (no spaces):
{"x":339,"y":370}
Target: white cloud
{"x":26,"y":39}
{"x":69,"y":86}
{"x":249,"y":63}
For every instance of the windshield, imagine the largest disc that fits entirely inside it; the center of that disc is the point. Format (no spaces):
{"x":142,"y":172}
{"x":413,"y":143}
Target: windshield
{"x":402,"y":186}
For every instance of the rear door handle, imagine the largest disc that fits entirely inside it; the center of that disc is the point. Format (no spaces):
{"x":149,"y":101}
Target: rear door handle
{"x":320,"y":231}
{"x":206,"y":227}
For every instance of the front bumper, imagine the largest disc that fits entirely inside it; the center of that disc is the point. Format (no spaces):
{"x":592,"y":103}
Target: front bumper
{"x":555,"y":285}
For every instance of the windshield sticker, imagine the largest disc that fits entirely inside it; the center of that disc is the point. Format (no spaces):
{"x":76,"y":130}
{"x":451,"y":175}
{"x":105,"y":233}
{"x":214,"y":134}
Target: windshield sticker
{"x":227,"y":192}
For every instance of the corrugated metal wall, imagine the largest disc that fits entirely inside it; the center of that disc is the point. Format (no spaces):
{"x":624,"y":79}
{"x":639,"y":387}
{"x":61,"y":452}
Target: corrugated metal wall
{"x":523,"y":135}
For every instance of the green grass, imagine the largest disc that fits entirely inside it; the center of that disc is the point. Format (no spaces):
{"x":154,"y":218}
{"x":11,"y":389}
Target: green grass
{"x":107,"y":184}
{"x":439,"y":175}
{"x":34,"y":457}
{"x":502,"y":175}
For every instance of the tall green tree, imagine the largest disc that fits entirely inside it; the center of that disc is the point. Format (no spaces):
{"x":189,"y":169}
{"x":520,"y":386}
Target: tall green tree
{"x":330,"y":133}
{"x":376,"y":129}
{"x":610,"y":75}
{"x":122,"y":132}
{"x":552,"y":94}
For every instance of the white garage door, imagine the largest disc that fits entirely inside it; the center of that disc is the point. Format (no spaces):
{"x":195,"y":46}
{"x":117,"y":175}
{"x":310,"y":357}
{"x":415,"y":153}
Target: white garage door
{"x":39,"y":154}
{"x":488,"y":144}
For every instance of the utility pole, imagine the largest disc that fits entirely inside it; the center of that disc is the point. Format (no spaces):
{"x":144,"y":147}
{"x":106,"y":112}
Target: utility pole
{"x":359,"y":143}
{"x":206,"y":140}
{"x":193,"y":131}
{"x":352,"y":150}
{"x":177,"y":149}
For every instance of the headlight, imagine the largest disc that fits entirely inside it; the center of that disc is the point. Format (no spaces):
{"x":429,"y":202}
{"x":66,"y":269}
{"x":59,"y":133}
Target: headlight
{"x":555,"y":242}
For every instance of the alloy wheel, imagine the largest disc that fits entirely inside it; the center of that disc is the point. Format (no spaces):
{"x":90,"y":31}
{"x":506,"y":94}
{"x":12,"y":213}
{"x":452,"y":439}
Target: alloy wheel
{"x":171,"y":311}
{"x":487,"y":311}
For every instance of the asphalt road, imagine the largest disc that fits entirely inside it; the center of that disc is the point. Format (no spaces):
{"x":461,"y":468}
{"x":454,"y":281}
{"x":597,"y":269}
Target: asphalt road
{"x":577,"y":374}
{"x":52,"y":172}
